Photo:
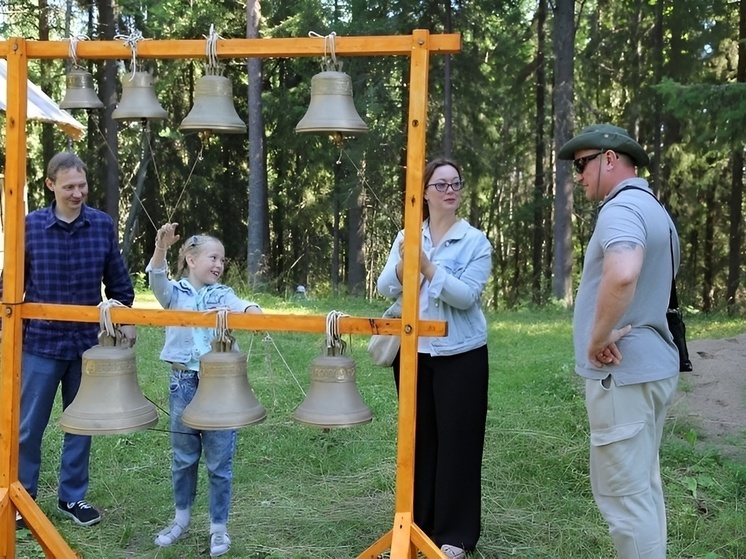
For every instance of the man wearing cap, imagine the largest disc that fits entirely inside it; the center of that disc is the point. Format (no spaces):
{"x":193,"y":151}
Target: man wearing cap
{"x":623,"y":347}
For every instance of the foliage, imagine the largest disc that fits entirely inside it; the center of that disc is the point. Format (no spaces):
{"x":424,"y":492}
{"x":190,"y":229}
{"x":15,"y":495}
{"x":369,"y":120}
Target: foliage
{"x":667,"y":72}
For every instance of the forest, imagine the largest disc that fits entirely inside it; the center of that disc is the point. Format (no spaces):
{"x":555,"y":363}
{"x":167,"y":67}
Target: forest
{"x":300,"y":209}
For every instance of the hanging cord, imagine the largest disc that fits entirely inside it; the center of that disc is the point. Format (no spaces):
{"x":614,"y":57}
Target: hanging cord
{"x":73,"y":47}
{"x":387,"y":211}
{"x":213,"y":66}
{"x":222,"y":333}
{"x":105,"y":323}
{"x":131,"y":41}
{"x":335,"y":345}
{"x":269,"y":340}
{"x":329,"y":63}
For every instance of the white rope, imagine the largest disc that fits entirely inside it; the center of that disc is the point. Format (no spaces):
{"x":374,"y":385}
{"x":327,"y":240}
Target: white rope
{"x":105,"y":322}
{"x":222,"y":333}
{"x":334,"y":341}
{"x":73,"y":47}
{"x":131,"y":41}
{"x":213,"y":67}
{"x":329,"y":63}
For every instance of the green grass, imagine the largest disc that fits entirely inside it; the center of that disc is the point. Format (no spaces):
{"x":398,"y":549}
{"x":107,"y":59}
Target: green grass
{"x":301,"y":493}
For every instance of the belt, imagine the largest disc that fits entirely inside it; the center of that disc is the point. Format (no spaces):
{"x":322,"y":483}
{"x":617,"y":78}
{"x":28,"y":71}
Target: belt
{"x":180,"y":367}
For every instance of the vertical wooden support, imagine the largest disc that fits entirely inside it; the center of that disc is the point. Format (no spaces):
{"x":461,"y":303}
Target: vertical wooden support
{"x":11,"y":491}
{"x":406,"y":537}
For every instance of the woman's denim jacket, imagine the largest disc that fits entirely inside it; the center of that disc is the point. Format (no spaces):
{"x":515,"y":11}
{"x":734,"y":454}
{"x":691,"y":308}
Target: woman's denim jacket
{"x":463,"y":261}
{"x":183,"y":344}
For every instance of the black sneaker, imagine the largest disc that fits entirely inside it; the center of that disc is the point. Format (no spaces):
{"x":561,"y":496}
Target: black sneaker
{"x":81,"y":512}
{"x":20,"y":523}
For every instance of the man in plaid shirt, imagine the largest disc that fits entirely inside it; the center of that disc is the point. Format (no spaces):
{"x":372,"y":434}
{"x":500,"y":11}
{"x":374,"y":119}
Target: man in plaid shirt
{"x":71,"y":249}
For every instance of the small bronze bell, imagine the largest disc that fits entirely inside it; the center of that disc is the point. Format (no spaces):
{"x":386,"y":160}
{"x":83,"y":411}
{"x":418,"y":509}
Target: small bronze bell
{"x":224,"y":399}
{"x":333,"y":399}
{"x":331,"y":108}
{"x":109,"y":400}
{"x":79,"y":92}
{"x":139,"y":101}
{"x":213,"y":108}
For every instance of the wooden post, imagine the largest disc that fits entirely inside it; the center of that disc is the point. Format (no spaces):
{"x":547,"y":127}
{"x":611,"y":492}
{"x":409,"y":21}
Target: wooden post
{"x":405,"y":538}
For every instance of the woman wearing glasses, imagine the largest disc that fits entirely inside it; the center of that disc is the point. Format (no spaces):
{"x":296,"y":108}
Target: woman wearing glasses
{"x":453,"y":370}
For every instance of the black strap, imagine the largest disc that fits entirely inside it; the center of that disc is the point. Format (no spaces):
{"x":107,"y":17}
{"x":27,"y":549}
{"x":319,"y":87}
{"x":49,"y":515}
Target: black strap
{"x":673,"y":300}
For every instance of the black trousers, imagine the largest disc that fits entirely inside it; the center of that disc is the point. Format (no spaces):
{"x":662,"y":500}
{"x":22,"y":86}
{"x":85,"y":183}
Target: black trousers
{"x":449,"y":443}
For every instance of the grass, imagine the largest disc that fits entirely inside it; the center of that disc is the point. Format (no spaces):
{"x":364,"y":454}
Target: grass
{"x":301,"y":492}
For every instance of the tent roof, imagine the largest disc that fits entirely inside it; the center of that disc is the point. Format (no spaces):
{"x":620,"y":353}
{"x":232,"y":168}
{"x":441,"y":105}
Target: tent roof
{"x":41,"y":106}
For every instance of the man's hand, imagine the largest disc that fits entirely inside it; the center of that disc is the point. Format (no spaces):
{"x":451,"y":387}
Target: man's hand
{"x":130,"y":333}
{"x":606,"y":352}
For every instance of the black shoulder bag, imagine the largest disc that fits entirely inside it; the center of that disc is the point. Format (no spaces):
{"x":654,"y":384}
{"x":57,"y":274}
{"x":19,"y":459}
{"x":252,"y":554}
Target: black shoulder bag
{"x":673,"y":314}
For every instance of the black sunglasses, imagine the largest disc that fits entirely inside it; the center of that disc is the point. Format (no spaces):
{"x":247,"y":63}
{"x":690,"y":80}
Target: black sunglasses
{"x":580,"y":163}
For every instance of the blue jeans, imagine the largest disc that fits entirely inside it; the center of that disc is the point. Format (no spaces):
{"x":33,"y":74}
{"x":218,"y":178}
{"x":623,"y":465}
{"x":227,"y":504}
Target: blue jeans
{"x":188,"y":444}
{"x":40,"y":377}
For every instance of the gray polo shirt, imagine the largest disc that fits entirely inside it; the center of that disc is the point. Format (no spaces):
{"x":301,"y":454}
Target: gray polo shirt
{"x":648,"y":351}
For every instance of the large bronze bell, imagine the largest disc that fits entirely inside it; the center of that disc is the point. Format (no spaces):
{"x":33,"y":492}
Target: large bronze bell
{"x":213,"y":108}
{"x":224,"y":399}
{"x":109,"y":400}
{"x":139,"y":101}
{"x":331,"y":108}
{"x":79,"y":92}
{"x":333,"y":399}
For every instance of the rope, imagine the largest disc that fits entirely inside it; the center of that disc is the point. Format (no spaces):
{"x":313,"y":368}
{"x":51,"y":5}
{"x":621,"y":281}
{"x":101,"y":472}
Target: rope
{"x":213,"y":67}
{"x":105,"y":322}
{"x":131,"y":41}
{"x":222,"y":333}
{"x":329,"y":63}
{"x":268,"y":339}
{"x":73,"y":46}
{"x":334,"y":343}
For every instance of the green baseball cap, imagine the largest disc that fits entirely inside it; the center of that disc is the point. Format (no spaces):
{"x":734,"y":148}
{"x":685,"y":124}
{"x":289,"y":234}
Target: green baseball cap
{"x":605,"y":136}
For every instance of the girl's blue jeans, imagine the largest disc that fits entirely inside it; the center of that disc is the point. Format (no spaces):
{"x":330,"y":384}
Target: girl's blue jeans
{"x":188,"y":444}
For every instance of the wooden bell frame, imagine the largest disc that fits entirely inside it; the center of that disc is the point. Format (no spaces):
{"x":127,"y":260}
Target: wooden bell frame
{"x":405,"y":538}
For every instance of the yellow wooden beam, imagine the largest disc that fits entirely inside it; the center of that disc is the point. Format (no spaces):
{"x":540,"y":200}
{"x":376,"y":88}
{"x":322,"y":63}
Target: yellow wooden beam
{"x":15,"y":181}
{"x":237,"y":48}
{"x":240,"y":321}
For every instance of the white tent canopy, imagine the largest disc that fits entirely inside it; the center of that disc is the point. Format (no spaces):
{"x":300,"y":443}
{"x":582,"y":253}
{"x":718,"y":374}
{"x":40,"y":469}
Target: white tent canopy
{"x":41,"y":106}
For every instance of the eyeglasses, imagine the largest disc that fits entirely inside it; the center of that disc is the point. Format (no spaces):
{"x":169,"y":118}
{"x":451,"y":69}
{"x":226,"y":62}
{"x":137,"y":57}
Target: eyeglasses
{"x":442,"y":186}
{"x":581,"y":162}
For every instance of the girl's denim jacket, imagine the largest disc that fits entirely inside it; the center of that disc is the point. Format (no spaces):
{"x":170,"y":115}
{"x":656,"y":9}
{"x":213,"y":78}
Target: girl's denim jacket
{"x":463,"y":261}
{"x":185,"y":345}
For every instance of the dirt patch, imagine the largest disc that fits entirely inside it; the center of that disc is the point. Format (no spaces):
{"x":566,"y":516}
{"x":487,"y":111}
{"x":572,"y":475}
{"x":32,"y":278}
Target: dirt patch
{"x":712,"y":398}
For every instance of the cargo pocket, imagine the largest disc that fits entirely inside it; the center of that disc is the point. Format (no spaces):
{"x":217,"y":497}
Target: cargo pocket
{"x":617,"y":453}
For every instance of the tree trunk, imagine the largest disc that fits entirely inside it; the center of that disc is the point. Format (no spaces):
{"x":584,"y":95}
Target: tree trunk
{"x":564,"y":114}
{"x":107,"y":80}
{"x":447,"y":93}
{"x":736,"y":193}
{"x":258,"y":229}
{"x":130,"y":226}
{"x":539,"y":188}
{"x":47,"y":131}
{"x":356,"y":242}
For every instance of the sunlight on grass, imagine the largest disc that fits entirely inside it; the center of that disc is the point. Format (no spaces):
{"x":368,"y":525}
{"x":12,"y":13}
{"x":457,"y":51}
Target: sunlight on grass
{"x":302,"y":492}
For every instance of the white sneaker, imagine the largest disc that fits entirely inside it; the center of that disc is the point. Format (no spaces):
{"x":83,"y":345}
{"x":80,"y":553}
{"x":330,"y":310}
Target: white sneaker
{"x":220,"y":543}
{"x":170,"y":534}
{"x":453,"y":552}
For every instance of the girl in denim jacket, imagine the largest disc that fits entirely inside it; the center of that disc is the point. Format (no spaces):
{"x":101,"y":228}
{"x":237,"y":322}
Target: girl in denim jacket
{"x":201,"y":263}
